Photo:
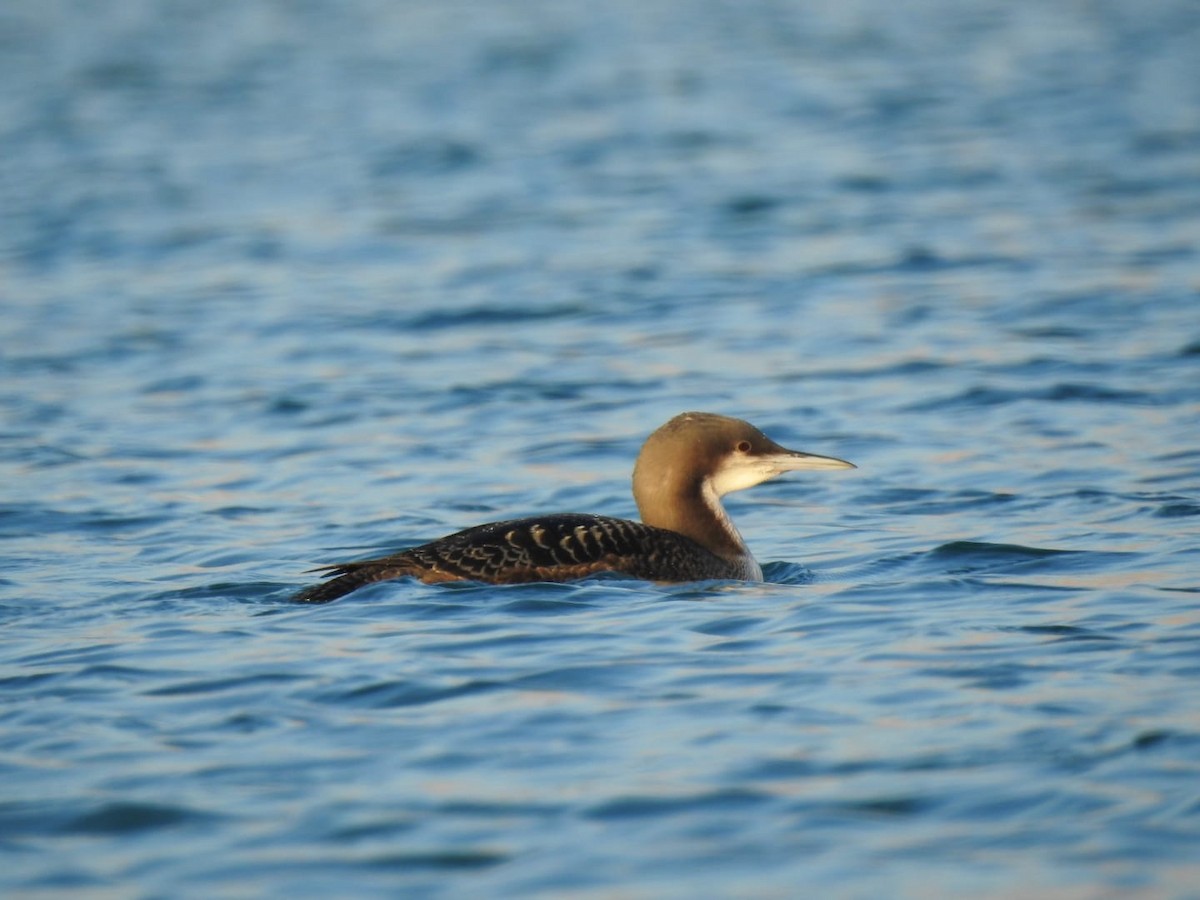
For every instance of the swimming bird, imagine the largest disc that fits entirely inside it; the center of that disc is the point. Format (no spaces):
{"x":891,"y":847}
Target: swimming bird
{"x":681,"y":473}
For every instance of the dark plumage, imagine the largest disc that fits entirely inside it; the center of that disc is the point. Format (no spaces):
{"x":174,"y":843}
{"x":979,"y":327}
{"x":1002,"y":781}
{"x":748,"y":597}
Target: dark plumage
{"x":681,"y":472}
{"x":559,"y":547}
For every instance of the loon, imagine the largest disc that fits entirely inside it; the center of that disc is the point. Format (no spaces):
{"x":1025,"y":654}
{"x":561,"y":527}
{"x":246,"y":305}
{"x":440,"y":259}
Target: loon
{"x":682,"y":471}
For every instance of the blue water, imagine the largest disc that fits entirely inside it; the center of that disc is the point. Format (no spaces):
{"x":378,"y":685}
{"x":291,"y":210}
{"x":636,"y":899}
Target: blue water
{"x":289,"y":283}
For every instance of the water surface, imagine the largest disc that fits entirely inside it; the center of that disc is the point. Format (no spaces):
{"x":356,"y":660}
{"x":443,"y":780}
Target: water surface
{"x":286,"y":284}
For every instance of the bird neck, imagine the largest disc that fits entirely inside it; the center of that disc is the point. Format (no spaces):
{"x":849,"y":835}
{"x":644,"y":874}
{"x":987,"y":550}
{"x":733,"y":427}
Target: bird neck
{"x":694,"y":510}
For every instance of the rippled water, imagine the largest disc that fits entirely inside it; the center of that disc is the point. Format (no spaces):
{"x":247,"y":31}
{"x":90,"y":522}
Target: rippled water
{"x":283,"y":284}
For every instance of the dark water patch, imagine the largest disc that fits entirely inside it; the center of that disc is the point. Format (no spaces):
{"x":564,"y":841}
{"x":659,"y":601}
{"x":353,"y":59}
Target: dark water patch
{"x":730,"y":625}
{"x":382,"y":828}
{"x":92,"y":653}
{"x":1178,"y":455}
{"x":288,"y":405}
{"x":250,"y":723}
{"x":436,"y":155}
{"x":469,"y":396}
{"x":1057,"y":634}
{"x":989,"y":677}
{"x":1051,"y":333}
{"x":118,"y":674}
{"x":1148,"y":740}
{"x":865,"y":183}
{"x":474,"y":809}
{"x":122,"y":75}
{"x":918,"y":501}
{"x":221,"y":685}
{"x":983,"y":397}
{"x":1177,"y":510}
{"x":239,"y":512}
{"x":588,"y":448}
{"x":21,"y":520}
{"x":750,"y":206}
{"x":511,"y":641}
{"x":41,"y":456}
{"x":974,"y":558}
{"x":889,"y":807}
{"x":529,"y":56}
{"x":544,"y":606}
{"x":30,"y":682}
{"x":254,"y":592}
{"x":1066,"y":750}
{"x":492,"y":316}
{"x":903,"y":495}
{"x":922,"y":260}
{"x":120,"y":818}
{"x":792,"y":768}
{"x":787,"y":573}
{"x":962,"y":557}
{"x":402,"y":693}
{"x":222,"y":558}
{"x":182,"y":384}
{"x":902,"y":369}
{"x":653,"y":806}
{"x":450,"y":760}
{"x":24,"y":819}
{"x":585,"y":678}
{"x":438,"y":860}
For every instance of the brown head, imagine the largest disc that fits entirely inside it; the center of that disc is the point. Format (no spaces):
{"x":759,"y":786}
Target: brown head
{"x":698,"y":457}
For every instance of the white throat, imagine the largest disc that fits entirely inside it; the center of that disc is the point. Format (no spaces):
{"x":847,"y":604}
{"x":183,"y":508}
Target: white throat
{"x":740,"y":472}
{"x":710,"y":493}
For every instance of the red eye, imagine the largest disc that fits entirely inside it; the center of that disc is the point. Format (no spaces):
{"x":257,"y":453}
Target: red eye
{"x":743,"y":446}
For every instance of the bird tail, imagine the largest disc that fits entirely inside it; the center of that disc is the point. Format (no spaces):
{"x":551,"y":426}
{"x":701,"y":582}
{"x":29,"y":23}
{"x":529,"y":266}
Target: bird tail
{"x":347,"y":577}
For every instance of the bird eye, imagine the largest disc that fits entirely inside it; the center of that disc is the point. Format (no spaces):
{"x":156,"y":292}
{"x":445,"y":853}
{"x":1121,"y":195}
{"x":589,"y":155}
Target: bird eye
{"x":743,"y":447}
